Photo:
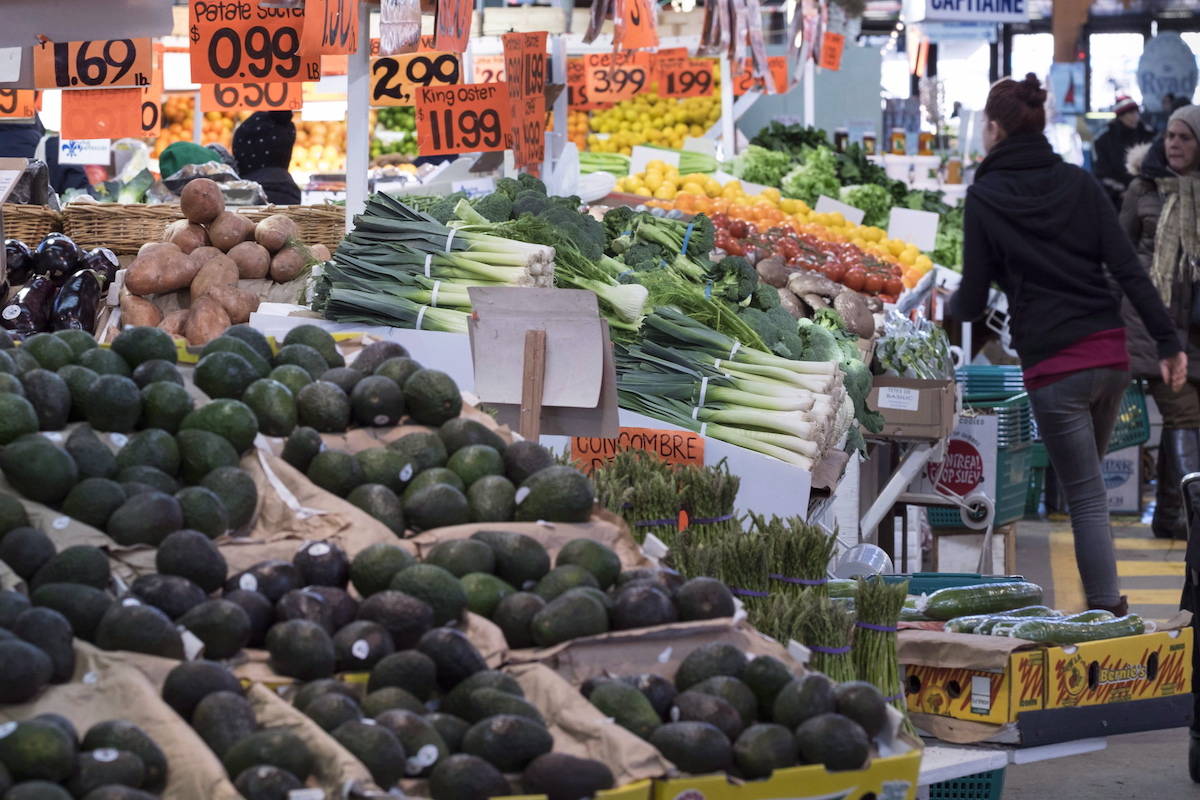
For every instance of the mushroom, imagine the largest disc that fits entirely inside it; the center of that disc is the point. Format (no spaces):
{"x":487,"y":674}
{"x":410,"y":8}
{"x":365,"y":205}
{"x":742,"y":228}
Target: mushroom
{"x":815,"y":301}
{"x":803,"y":282}
{"x":791,"y":304}
{"x":772,"y":271}
{"x":853,"y":309}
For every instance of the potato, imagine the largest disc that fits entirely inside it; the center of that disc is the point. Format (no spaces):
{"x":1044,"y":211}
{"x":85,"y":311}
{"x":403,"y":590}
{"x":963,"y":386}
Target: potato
{"x":320,"y":252}
{"x":219,"y":271}
{"x":230,"y":229}
{"x":286,"y":265}
{"x":275,"y":231}
{"x":137,"y":311}
{"x":206,"y":321}
{"x":773,"y":272}
{"x":201,"y":201}
{"x":150,"y":247}
{"x":174,"y":322}
{"x":160,"y":270}
{"x":239,"y":304}
{"x":187,"y":236}
{"x":202,"y":255}
{"x":252,"y":259}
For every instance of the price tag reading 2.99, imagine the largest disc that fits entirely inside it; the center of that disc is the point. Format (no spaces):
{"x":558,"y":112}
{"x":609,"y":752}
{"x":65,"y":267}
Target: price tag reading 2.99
{"x":395,"y":79}
{"x":237,"y":40}
{"x":474,"y":117}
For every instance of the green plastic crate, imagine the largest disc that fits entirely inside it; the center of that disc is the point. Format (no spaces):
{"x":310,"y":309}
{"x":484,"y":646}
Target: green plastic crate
{"x":1012,"y":478}
{"x":981,"y":786}
{"x":929,"y":582}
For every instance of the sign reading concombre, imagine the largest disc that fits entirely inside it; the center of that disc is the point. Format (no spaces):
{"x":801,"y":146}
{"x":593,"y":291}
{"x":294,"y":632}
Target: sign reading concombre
{"x":673,"y":447}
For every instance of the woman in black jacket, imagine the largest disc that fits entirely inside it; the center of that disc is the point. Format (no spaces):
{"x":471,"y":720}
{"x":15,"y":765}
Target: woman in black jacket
{"x":262,"y":146}
{"x":1044,"y":231}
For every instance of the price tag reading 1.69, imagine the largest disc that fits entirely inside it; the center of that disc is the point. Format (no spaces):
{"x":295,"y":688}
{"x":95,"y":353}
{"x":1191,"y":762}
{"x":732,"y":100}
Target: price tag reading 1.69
{"x":395,"y":79}
{"x":250,"y":96}
{"x":237,"y":40}
{"x":85,"y":65}
{"x":19,"y":103}
{"x":474,"y":117}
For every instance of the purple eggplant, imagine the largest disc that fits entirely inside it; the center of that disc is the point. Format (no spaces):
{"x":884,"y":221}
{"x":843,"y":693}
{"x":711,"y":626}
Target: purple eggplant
{"x":77,"y":302}
{"x":57,"y":257}
{"x":104,"y":262}
{"x":19,"y":259}
{"x":29,"y":310}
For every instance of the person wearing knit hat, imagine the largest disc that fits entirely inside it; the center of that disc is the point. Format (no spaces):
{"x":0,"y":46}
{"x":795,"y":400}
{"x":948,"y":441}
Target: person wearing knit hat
{"x":1126,"y":131}
{"x":262,"y":146}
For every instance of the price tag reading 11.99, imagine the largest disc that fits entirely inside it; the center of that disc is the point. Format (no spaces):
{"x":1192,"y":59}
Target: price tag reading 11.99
{"x":474,"y":117}
{"x":239,"y":41}
{"x":86,"y":65}
{"x":395,"y":79}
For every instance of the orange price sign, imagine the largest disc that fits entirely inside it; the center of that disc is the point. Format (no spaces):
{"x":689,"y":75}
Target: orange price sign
{"x":634,"y":24}
{"x":251,"y":97}
{"x":673,"y":447}
{"x":578,"y":98}
{"x":468,"y":118}
{"x":102,"y":114}
{"x":745,"y":80}
{"x":613,"y":77}
{"x":686,"y":77}
{"x":19,"y":103}
{"x":832,"y":45}
{"x":664,"y":55}
{"x":85,"y":65}
{"x":239,"y":41}
{"x":489,"y":68}
{"x":152,"y":97}
{"x":330,"y":27}
{"x":452,"y":25}
{"x":525,"y":69}
{"x":395,"y":79}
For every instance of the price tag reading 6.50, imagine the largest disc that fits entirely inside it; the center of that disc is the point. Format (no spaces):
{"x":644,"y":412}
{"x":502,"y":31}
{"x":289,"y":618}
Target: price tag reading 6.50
{"x":395,"y":79}
{"x":85,"y":65}
{"x":239,"y":41}
{"x":250,"y":96}
{"x":474,"y":117}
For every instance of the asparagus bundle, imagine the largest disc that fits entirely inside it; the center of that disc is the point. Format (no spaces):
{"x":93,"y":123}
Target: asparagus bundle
{"x":825,"y":628}
{"x":641,"y":489}
{"x":707,"y":494}
{"x":800,"y":553}
{"x":875,"y":659}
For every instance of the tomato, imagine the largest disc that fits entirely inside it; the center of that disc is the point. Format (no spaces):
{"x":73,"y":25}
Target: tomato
{"x":737,"y":229}
{"x":893,"y":286}
{"x":835,"y":270}
{"x":873,"y":284}
{"x":734,"y":248}
{"x":854,"y":278}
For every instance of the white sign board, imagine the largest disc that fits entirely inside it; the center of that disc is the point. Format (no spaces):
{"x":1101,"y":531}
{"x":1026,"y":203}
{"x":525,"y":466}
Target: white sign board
{"x":10,"y":64}
{"x":827,"y":205}
{"x":1122,"y":480}
{"x":85,"y":151}
{"x":641,"y":156}
{"x":991,"y":11}
{"x":910,"y":225}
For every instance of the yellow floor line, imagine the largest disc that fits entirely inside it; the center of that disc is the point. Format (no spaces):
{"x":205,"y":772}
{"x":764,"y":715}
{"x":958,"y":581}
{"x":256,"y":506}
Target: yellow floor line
{"x":1138,"y":543}
{"x":1153,"y":597}
{"x":1146,"y":569}
{"x":1068,"y":590}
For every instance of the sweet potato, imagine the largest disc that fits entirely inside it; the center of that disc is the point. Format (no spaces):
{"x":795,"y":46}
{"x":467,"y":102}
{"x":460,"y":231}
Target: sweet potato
{"x":286,"y":265}
{"x":206,"y":321}
{"x":202,"y":255}
{"x":187,"y":236}
{"x":320,"y":252}
{"x":230,"y":229}
{"x":275,"y":231}
{"x":201,"y":201}
{"x":219,"y":271}
{"x":137,"y":311}
{"x":239,"y":304}
{"x":252,"y":259}
{"x":174,"y":322}
{"x":161,"y":269}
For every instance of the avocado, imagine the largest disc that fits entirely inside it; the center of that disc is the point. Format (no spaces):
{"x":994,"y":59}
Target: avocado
{"x":345,"y":378}
{"x":224,"y":374}
{"x":436,"y":587}
{"x":293,"y":376}
{"x":92,"y":457}
{"x":436,"y":506}
{"x":303,"y":356}
{"x":453,"y":654}
{"x":103,"y":361}
{"x":266,"y":782}
{"x":170,"y":594}
{"x":322,"y":564}
{"x":232,"y":420}
{"x":152,"y":371}
{"x":203,"y":511}
{"x":804,"y":698}
{"x":165,"y":405}
{"x":319,"y":340}
{"x":114,"y":404}
{"x":569,"y":616}
{"x":708,"y":660}
{"x":223,"y":627}
{"x":376,"y":747}
{"x":277,"y":747}
{"x":78,"y":340}
{"x":342,"y":607}
{"x":37,"y":750}
{"x":410,"y":670}
{"x":272,"y":578}
{"x":79,"y":563}
{"x":79,"y":384}
{"x":762,"y":749}
{"x":484,"y":592}
{"x":561,"y":579}
{"x":83,"y":606}
{"x":704,"y":598}
{"x":64,"y":724}
{"x":150,"y":448}
{"x":301,"y":447}
{"x":467,"y":777}
{"x":376,"y":401}
{"x":143,"y":343}
{"x":450,"y":728}
{"x":657,"y":689}
{"x":37,"y":790}
{"x":732,"y":691}
{"x":324,"y":407}
{"x":432,"y":397}
{"x":307,"y":605}
{"x":492,"y":499}
{"x":237,"y":491}
{"x":201,"y":452}
{"x":11,"y":384}
{"x":140,"y":629}
{"x":515,"y":614}
{"x":698,"y":706}
{"x":461,"y":432}
{"x":49,"y":350}
{"x":523,"y":459}
{"x":96,"y":768}
{"x":335,"y":471}
{"x":231,"y":344}
{"x":418,"y":737}
{"x":422,"y":449}
{"x":332,"y":709}
{"x":432,"y":477}
{"x":835,"y":741}
{"x":251,"y":336}
{"x":360,"y":645}
{"x":24,"y":671}
{"x":383,"y":466}
{"x":23,"y":361}
{"x":475,"y":461}
{"x":274,"y":406}
{"x":406,"y":618}
{"x":192,"y":681}
{"x":461,"y":556}
{"x":457,"y":702}
{"x":398,"y":369}
{"x":12,"y":603}
{"x":123,"y":735}
{"x":145,"y":518}
{"x":12,"y":514}
{"x":508,"y":742}
{"x":388,"y":698}
{"x":50,"y":397}
{"x":371,"y":571}
{"x":694,"y":747}
{"x":381,"y":503}
{"x":596,"y":558}
{"x":488,"y":702}
{"x":519,"y":558}
{"x":556,"y":494}
{"x":39,"y":470}
{"x":863,"y":703}
{"x":565,"y":777}
{"x":310,"y":691}
{"x":155,"y":479}
{"x":26,"y":550}
{"x":642,"y":606}
{"x":258,"y":610}
{"x":374,"y":354}
{"x":628,"y":707}
{"x":766,"y":676}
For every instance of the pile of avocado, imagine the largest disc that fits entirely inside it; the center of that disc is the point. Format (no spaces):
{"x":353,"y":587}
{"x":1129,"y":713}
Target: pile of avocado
{"x":43,"y":758}
{"x":748,"y":717}
{"x":263,"y":763}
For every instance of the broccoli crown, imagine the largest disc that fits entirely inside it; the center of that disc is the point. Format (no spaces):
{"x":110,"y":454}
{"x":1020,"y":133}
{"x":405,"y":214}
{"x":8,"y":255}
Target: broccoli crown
{"x":700,"y":242}
{"x":585,"y":233}
{"x":528,"y":202}
{"x":733,"y":279}
{"x":495,"y":207}
{"x":442,"y":208}
{"x":645,"y":256}
{"x":856,"y":377}
{"x":765,"y":297}
{"x":777,"y":329}
{"x":618,"y":221}
{"x":508,"y":187}
{"x":819,"y":343}
{"x":528,"y":181}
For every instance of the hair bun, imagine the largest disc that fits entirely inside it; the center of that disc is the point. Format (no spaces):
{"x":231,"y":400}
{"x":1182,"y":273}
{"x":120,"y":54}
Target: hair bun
{"x":1030,"y":90}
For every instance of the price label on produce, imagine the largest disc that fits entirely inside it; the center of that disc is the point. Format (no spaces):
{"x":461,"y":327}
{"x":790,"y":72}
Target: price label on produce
{"x":613,"y":77}
{"x":672,"y":447}
{"x":238,"y":41}
{"x":832,"y":45}
{"x":19,"y":103}
{"x":102,"y":114}
{"x":634,"y":24}
{"x":330,"y":27}
{"x":665,"y":55}
{"x":745,"y":80}
{"x":152,"y":98}
{"x":469,"y":118}
{"x":489,"y":68}
{"x":452,"y":25}
{"x":251,"y":97}
{"x":687,"y":77}
{"x":525,"y":68}
{"x":84,"y":65}
{"x":395,"y":79}
{"x":578,"y":98}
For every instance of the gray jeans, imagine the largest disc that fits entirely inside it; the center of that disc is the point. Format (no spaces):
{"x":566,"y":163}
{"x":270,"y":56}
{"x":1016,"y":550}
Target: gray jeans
{"x":1075,"y":418}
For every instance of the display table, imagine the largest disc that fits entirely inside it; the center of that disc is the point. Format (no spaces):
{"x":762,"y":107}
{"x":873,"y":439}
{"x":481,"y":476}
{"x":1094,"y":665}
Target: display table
{"x":947,"y":762}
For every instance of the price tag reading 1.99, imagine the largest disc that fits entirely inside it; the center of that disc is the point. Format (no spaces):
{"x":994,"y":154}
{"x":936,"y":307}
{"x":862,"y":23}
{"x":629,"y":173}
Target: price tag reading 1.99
{"x":250,"y":96}
{"x":395,"y":79}
{"x":470,"y":118}
{"x":85,"y":65}
{"x":235,"y":42}
{"x":693,"y":77}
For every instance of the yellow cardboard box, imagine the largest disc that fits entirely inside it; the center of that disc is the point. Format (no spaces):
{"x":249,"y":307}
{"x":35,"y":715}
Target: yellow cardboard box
{"x":976,"y":694}
{"x":1120,"y":670}
{"x":638,"y":790}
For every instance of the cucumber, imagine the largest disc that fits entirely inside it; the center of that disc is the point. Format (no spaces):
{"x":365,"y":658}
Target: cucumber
{"x":964,"y":624}
{"x":985,"y":598}
{"x":1033,"y":611}
{"x":842,"y":587}
{"x":1059,"y":632}
{"x":1095,"y":615}
{"x":989,"y":624}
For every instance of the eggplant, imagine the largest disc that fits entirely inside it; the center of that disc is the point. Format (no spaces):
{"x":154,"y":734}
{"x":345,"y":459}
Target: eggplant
{"x":77,"y":302}
{"x":29,"y":311}
{"x":104,"y":262}
{"x":19,"y":259}
{"x":57,"y":257}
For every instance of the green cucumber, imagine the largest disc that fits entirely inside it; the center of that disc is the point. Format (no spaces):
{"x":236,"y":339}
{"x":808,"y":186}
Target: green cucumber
{"x":1095,"y":615}
{"x":988,"y":625}
{"x":1058,"y":632}
{"x":985,"y":598}
{"x":964,"y":624}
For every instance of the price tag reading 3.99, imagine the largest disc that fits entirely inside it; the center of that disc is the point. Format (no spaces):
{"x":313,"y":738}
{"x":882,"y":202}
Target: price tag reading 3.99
{"x":86,"y":65}
{"x":613,"y":77}
{"x":395,"y":79}
{"x":234,"y":41}
{"x":470,"y":118}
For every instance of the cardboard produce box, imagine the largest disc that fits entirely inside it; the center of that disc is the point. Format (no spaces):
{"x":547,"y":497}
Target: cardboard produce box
{"x":914,"y":409}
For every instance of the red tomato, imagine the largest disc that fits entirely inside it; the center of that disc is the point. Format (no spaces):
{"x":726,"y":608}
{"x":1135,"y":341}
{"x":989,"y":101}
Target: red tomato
{"x":893,"y":286}
{"x":835,"y":270}
{"x":737,"y":229}
{"x":873,"y":284}
{"x":734,"y":248}
{"x":854,"y":278}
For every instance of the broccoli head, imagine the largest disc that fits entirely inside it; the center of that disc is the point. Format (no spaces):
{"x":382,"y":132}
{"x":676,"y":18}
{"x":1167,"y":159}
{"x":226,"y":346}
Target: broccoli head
{"x":700,"y":241}
{"x":856,"y":378}
{"x":528,"y":202}
{"x":442,"y":209}
{"x":778,"y":331}
{"x":508,"y":187}
{"x":619,"y":221}
{"x":531,"y":183}
{"x":495,"y":207}
{"x":765,"y":297}
{"x":733,"y":279}
{"x":819,"y":344}
{"x":645,"y":256}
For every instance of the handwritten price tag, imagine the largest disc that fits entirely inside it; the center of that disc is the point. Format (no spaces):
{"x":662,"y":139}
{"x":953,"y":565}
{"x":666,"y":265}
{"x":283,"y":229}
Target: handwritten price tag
{"x":102,"y":114}
{"x":395,"y":79}
{"x":525,"y":68}
{"x":240,"y":41}
{"x":673,"y":447}
{"x":250,"y":96}
{"x":452,"y":25}
{"x":832,"y":45}
{"x":489,"y":68}
{"x":462,"y":119}
{"x":578,"y":98}
{"x":745,"y":81}
{"x":18,"y":103}
{"x":330,"y":27}
{"x":152,"y":97}
{"x":687,"y":77}
{"x":83,"y":65}
{"x":613,"y":77}
{"x":424,"y":45}
{"x":634,"y":25}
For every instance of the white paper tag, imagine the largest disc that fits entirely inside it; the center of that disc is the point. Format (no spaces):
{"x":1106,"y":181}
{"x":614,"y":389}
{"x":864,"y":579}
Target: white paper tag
{"x":318,"y":549}
{"x":898,"y":398}
{"x":7,"y":728}
{"x":369,"y":722}
{"x":674,"y":714}
{"x":381,"y":420}
{"x":129,"y":602}
{"x":665,"y":655}
{"x":654,"y":548}
{"x":306,"y":794}
{"x":360,"y":649}
{"x":119,"y":439}
{"x":90,"y":677}
{"x":60,"y":523}
{"x":406,"y":473}
{"x":798,"y":651}
{"x":981,"y":694}
{"x":105,"y":755}
{"x":521,"y":494}
{"x":427,"y":756}
{"x":53,"y":436}
{"x":192,"y":645}
{"x":10,"y":64}
{"x":85,"y":151}
{"x":248,"y":582}
{"x":11,"y":312}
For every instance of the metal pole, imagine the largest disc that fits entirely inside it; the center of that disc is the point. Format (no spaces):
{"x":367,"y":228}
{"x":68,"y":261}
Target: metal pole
{"x":358,"y":119}
{"x":728,"y":118}
{"x":558,"y":56}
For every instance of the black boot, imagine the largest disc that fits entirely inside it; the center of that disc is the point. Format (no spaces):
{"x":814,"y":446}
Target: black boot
{"x":1194,"y":757}
{"x":1187,"y":460}
{"x":1178,"y":454}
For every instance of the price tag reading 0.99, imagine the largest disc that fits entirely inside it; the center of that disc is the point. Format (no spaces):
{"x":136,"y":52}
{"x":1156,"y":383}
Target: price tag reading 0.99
{"x":19,"y":103}
{"x":688,"y":77}
{"x":395,"y":79}
{"x":474,"y":117}
{"x":86,"y":65}
{"x":613,"y":77}
{"x":239,"y":41}
{"x":250,"y":97}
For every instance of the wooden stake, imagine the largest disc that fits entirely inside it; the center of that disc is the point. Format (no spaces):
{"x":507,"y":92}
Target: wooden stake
{"x":533,"y":385}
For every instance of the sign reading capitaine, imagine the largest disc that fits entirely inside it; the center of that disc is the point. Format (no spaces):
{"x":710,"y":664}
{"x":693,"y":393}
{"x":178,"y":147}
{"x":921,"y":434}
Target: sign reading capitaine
{"x":970,"y":10}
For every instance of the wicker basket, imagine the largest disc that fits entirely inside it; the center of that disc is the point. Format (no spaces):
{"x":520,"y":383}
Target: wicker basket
{"x":30,"y":223}
{"x":318,"y":224}
{"x":121,"y":228}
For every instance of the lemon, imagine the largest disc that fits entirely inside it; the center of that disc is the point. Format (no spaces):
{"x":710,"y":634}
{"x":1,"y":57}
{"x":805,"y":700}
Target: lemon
{"x":665,"y":192}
